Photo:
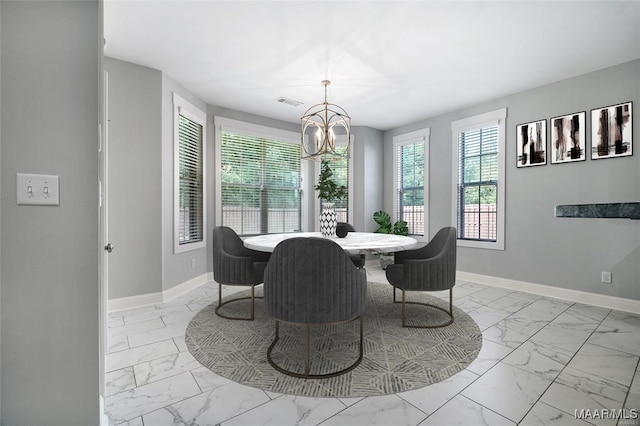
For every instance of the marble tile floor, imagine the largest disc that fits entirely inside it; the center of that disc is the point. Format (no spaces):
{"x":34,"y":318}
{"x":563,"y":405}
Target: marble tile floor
{"x":542,"y":359}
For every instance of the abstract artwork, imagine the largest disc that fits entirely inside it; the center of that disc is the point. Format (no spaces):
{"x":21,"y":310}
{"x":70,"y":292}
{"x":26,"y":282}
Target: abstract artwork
{"x":568,"y":138}
{"x":532,"y":143}
{"x":611,"y":131}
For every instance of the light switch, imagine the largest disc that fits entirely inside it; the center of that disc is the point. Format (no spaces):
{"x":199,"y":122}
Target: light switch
{"x":37,"y":189}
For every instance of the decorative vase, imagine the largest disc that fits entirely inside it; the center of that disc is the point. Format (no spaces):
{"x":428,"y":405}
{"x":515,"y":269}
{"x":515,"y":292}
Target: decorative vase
{"x":328,"y":220}
{"x":341,"y":230}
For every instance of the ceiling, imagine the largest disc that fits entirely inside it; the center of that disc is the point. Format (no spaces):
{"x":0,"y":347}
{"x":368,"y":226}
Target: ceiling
{"x":391,"y":63}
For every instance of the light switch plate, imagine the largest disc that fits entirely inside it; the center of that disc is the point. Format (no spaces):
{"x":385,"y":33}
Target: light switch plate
{"x":40,"y":190}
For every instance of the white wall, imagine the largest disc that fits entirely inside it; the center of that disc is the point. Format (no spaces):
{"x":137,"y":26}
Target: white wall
{"x":540,"y":248}
{"x":50,"y":55}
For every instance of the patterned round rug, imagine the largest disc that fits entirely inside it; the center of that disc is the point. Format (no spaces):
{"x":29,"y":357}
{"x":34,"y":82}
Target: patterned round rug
{"x":396,"y":359}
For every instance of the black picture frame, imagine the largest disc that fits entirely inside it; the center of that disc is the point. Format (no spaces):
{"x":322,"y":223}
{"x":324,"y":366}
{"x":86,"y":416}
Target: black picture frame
{"x":531,"y":141}
{"x":568,"y":138}
{"x":612,"y":131}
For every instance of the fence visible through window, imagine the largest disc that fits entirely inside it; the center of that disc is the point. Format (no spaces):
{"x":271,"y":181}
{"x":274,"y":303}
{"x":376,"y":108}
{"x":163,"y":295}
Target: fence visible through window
{"x":480,"y":222}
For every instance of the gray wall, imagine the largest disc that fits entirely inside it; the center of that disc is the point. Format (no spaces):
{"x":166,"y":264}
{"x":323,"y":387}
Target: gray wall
{"x":540,"y":248}
{"x":368,"y":157}
{"x":176,"y":268}
{"x":135,"y":135}
{"x":50,"y":299}
{"x":141,"y":182}
{"x":0,"y":216}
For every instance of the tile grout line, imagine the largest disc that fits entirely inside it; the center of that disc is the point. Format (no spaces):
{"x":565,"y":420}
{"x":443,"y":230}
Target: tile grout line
{"x":633,"y":380}
{"x":567,"y":364}
{"x":459,"y":393}
{"x":514,"y":349}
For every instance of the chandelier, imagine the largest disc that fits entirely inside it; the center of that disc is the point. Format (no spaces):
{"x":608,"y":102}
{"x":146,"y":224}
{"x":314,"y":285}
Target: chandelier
{"x":321,"y":124}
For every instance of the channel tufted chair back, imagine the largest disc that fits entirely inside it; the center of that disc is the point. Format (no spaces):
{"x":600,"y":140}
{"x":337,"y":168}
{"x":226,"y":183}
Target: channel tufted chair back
{"x":234,"y":264}
{"x":312,"y":281}
{"x":429,"y":268}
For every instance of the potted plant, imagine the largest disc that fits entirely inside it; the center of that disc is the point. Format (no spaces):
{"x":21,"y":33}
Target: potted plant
{"x":329,"y":192}
{"x":383,"y":219}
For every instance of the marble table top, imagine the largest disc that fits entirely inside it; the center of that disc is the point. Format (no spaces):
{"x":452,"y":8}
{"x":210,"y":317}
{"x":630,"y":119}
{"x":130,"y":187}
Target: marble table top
{"x":354,"y":241}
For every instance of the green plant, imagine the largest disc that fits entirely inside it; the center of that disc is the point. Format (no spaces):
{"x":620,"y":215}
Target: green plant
{"x":383,"y":219}
{"x":327,"y":189}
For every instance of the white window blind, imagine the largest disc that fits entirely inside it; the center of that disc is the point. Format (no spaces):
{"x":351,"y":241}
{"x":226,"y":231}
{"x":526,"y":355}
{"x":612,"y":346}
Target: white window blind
{"x":477,"y":196}
{"x":260,"y":184}
{"x":190,"y":175}
{"x":410,"y":185}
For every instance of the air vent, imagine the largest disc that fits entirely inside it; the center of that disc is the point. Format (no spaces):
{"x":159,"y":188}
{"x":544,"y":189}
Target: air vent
{"x":288,"y":101}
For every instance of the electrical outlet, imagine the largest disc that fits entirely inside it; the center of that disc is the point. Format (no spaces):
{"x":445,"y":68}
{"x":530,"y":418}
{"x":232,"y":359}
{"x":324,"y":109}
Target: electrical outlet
{"x":193,"y":263}
{"x":606,"y":277}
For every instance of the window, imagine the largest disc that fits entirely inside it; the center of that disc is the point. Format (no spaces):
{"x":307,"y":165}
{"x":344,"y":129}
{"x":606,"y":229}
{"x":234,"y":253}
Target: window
{"x":340,"y":166}
{"x":260,"y":178}
{"x":478,"y":167}
{"x":411,"y":180}
{"x":189,"y":176}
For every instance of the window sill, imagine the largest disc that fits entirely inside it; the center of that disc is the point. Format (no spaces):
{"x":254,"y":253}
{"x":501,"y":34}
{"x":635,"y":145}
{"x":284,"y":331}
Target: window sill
{"x":488,"y":245}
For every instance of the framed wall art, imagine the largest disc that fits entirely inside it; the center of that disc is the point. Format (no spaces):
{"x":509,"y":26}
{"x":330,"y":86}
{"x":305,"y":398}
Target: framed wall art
{"x":611,"y":132}
{"x":532,"y":143}
{"x":568,"y":138}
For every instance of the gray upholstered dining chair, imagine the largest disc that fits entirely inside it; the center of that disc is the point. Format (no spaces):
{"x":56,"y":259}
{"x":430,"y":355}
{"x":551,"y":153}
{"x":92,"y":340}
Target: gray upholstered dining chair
{"x":310,"y":282}
{"x":234,"y":264}
{"x":429,"y":268}
{"x":358,"y":258}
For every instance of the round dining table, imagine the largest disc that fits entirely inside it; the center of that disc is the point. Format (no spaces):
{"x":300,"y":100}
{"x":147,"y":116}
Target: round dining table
{"x":354,"y":241}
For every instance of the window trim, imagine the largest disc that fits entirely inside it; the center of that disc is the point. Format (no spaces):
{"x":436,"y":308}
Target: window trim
{"x":255,"y":130}
{"x":492,"y":118}
{"x":406,"y":139}
{"x":193,"y":113}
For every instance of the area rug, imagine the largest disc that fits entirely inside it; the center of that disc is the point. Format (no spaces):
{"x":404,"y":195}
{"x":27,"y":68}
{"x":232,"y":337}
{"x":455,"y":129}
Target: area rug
{"x":396,"y":359}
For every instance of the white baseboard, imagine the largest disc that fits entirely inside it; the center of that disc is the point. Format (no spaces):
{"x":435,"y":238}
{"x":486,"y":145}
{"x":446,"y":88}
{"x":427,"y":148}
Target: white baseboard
{"x":104,"y":419}
{"x":149,"y":299}
{"x":602,"y":300}
{"x":131,"y":302}
{"x":185,"y":287}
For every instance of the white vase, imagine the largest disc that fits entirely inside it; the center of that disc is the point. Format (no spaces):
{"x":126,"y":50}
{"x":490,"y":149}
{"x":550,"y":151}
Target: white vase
{"x":328,"y":220}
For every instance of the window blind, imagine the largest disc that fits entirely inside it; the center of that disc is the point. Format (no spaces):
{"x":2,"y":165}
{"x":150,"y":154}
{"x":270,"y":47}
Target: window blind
{"x":190,"y":205}
{"x":478,"y":184}
{"x":260,"y":184}
{"x":410,"y":185}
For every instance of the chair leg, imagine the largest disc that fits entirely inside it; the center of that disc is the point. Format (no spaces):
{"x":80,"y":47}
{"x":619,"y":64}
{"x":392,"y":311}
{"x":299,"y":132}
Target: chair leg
{"x":252,"y":302}
{"x":306,"y":374}
{"x":449,"y":312}
{"x":306,"y":350}
{"x":404,"y":311}
{"x":253,"y":293}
